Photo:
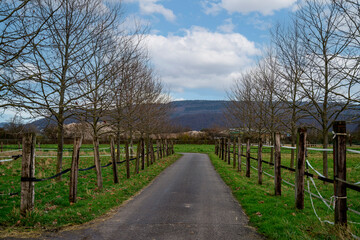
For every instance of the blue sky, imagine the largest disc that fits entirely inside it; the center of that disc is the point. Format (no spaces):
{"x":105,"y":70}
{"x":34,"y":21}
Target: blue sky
{"x":199,"y":48}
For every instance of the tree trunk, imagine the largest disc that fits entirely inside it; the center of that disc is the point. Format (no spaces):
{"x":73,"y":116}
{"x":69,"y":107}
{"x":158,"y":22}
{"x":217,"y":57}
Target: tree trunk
{"x":113,"y":159}
{"x":118,"y":147}
{"x":97,"y":163}
{"x":325,"y":157}
{"x":138,"y":152}
{"x":131,"y":143}
{"x":152,"y":151}
{"x":127,"y":158}
{"x":272,"y":149}
{"x":293,"y":143}
{"x":60,"y":143}
{"x":147,"y":151}
{"x":142,"y":154}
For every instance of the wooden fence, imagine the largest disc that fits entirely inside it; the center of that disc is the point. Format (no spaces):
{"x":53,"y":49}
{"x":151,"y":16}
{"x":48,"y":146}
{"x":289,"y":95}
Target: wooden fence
{"x":145,"y":153}
{"x":222,"y":149}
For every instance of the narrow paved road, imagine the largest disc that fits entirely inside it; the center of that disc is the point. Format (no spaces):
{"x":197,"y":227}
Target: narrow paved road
{"x":188,"y":200}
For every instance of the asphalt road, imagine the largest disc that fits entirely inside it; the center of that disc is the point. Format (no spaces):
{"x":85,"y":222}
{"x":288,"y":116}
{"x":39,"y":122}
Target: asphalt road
{"x":188,"y":200}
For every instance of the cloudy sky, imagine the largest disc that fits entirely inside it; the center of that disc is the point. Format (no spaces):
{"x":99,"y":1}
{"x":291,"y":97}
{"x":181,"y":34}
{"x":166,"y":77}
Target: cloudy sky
{"x":199,"y":47}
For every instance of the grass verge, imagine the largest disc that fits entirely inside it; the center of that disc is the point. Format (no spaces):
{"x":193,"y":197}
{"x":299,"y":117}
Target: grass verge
{"x":276,"y":216}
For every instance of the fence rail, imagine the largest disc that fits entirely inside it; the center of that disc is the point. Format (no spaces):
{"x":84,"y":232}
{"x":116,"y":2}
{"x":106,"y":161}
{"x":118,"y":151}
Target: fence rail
{"x":340,"y":184}
{"x":163,"y":148}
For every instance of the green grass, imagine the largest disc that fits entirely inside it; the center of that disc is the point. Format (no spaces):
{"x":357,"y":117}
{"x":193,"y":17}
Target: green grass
{"x":52,"y":208}
{"x":276,"y":216}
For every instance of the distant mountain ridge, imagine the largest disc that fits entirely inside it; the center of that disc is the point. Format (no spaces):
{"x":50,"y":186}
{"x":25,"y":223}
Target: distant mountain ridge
{"x":201,"y":114}
{"x":198,"y":114}
{"x":193,"y":114}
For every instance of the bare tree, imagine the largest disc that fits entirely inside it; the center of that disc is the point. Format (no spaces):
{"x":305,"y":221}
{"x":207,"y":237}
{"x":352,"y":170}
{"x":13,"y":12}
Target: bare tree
{"x":15,"y":41}
{"x":325,"y":60}
{"x":241,"y":107}
{"x":350,"y":31}
{"x":95,"y":105}
{"x":290,"y":59}
{"x":54,"y":67}
{"x":154,"y":110}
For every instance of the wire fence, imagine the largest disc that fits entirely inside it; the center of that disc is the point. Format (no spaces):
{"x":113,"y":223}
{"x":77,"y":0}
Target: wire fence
{"x":223,"y":150}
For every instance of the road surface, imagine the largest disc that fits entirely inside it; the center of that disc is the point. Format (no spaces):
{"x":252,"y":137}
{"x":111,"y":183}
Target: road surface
{"x":188,"y":200}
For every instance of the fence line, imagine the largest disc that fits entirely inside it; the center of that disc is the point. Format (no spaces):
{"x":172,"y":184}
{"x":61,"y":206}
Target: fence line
{"x":29,"y":179}
{"x":223,"y":148}
{"x":309,"y":192}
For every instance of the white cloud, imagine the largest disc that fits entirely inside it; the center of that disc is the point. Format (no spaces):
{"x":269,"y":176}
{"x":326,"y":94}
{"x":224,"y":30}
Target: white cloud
{"x":211,"y":7}
{"x":149,"y":7}
{"x":259,"y":23}
{"x":200,"y":58}
{"x":266,"y":7}
{"x":227,"y":27}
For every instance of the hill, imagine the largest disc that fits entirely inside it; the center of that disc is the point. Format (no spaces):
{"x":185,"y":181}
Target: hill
{"x":198,"y":114}
{"x":201,"y":114}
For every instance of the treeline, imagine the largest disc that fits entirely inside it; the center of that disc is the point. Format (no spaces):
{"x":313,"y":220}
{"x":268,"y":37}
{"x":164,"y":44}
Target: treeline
{"x":309,"y":74}
{"x":82,"y":59}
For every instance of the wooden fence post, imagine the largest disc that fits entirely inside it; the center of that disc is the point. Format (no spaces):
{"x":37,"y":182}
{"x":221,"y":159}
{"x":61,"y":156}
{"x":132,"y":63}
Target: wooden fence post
{"x":127,"y":158}
{"x":142,"y":154}
{"x":216,"y":146}
{"x":239,"y":154}
{"x":277,"y":168}
{"x":147,"y":151}
{"x":163,"y":148}
{"x":27,"y":173}
{"x":234,"y":153}
{"x":137,"y":161}
{"x":157,"y":149}
{"x":340,"y":173}
{"x":166,"y":148}
{"x":226,"y":149}
{"x":300,"y":168}
{"x":260,"y":162}
{"x":160,"y":148}
{"x":97,"y":162}
{"x":113,"y":159}
{"x":1,"y":146}
{"x":248,"y":158}
{"x":229,"y":151}
{"x":219,"y":148}
{"x":74,"y":169}
{"x":19,"y":145}
{"x":152,"y":154}
{"x":222,"y":148}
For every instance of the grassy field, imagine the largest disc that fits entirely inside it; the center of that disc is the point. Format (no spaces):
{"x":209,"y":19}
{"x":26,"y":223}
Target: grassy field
{"x":277,"y":217}
{"x":52,"y":208}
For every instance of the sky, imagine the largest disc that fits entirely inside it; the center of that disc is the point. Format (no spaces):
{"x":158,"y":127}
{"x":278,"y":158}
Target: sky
{"x":199,"y":48}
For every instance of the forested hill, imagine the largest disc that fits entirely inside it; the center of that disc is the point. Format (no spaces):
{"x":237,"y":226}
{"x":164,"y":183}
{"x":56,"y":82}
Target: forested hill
{"x":198,"y":114}
{"x":194,"y":114}
{"x":201,"y":114}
